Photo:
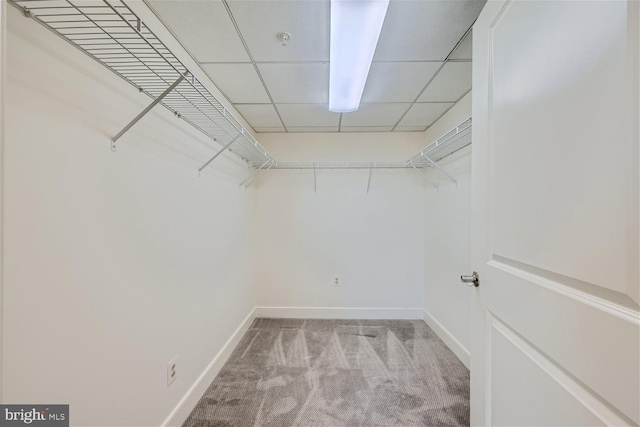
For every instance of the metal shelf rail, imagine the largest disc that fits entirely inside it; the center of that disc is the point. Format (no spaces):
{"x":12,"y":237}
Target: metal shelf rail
{"x":111,"y":33}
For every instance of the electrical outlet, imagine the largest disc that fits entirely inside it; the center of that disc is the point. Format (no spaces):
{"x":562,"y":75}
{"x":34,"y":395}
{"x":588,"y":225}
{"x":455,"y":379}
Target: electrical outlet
{"x":336,"y":282}
{"x":172,"y":371}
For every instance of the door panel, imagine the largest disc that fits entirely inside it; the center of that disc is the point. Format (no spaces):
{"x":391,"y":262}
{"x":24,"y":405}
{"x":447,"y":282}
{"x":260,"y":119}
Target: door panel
{"x":555,"y":235}
{"x":588,"y":338}
{"x":559,"y":117}
{"x":515,"y":362}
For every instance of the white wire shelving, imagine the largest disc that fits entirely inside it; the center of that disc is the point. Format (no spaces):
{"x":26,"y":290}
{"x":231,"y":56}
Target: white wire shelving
{"x":452,"y":141}
{"x":449,"y":143}
{"x":111,"y":33}
{"x":343,"y":165}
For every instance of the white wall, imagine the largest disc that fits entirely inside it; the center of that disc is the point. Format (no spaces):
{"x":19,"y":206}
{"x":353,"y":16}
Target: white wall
{"x":447,"y":222}
{"x":373,"y":242}
{"x":114,"y":262}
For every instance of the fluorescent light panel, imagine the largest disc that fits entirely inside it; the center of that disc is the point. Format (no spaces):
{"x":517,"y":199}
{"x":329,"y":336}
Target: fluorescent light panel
{"x":355,"y":29}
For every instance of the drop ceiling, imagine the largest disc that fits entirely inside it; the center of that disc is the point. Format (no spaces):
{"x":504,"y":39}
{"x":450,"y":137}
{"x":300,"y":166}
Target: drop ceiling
{"x":421,"y":68}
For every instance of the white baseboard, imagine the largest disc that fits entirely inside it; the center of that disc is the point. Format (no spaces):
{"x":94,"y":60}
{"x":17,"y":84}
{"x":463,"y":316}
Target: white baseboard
{"x":455,"y":345}
{"x":338,"y":313}
{"x":182,"y":410}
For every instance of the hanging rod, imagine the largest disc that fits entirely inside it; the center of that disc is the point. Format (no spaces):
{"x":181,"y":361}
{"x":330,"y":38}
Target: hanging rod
{"x":111,"y":33}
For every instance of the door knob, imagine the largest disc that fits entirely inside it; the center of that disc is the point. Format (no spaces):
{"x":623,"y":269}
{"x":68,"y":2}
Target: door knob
{"x":471,"y":281}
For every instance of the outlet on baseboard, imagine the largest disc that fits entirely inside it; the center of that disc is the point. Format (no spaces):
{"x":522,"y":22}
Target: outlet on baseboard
{"x":336,"y":282}
{"x":172,"y":371}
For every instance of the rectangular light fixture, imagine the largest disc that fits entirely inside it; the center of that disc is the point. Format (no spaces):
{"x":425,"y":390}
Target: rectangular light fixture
{"x":355,"y":29}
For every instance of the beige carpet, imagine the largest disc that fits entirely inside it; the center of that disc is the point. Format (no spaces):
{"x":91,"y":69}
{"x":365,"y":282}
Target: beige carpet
{"x":331,"y":373}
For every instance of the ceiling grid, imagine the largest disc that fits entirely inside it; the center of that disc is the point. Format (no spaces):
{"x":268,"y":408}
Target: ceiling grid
{"x":255,"y":66}
{"x":278,"y":88}
{"x":462,"y":39}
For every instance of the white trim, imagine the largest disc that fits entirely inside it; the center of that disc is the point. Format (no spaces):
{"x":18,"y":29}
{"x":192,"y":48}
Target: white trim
{"x":338,"y":313}
{"x":446,"y":336}
{"x":624,"y":313}
{"x":184,"y":407}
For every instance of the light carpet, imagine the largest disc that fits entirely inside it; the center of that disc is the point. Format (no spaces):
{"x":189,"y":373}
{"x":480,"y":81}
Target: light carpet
{"x":332,"y":373}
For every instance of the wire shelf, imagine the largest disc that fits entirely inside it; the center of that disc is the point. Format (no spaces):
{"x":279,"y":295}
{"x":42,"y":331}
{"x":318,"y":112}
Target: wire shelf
{"x":110,"y":32}
{"x":454,"y":140}
{"x":449,"y":143}
{"x":343,"y":165}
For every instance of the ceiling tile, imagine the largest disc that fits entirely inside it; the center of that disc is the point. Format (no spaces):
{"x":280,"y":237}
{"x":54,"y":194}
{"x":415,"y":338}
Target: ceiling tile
{"x":314,"y":129}
{"x":410,"y":129}
{"x":397,"y":81}
{"x":203,"y":27}
{"x":269,"y":130}
{"x":297,"y":83}
{"x":260,"y":115}
{"x":424,"y":114}
{"x":308,"y":22}
{"x":239,"y":82}
{"x":375,"y":115}
{"x":453,"y":81}
{"x":308,"y":115}
{"x":464,"y":49}
{"x":429,"y":29}
{"x":367,"y":129}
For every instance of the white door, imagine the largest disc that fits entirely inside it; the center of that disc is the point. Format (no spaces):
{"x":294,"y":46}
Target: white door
{"x":555,"y":231}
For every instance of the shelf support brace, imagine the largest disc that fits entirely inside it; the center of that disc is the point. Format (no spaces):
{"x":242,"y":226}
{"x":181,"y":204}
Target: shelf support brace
{"x":255,"y":177}
{"x":369,"y":182}
{"x":155,"y":102}
{"x":315,"y":186}
{"x":218,"y":153}
{"x":251,"y":178}
{"x":441,"y":170}
{"x":425,"y":175}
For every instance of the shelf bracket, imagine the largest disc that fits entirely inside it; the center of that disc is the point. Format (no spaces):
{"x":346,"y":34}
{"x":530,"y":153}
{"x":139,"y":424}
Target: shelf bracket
{"x":369,"y":182}
{"x":28,"y":13}
{"x":155,"y":102}
{"x":251,"y":178}
{"x":425,"y":175}
{"x":255,"y":178}
{"x":441,"y":170}
{"x":218,"y":153}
